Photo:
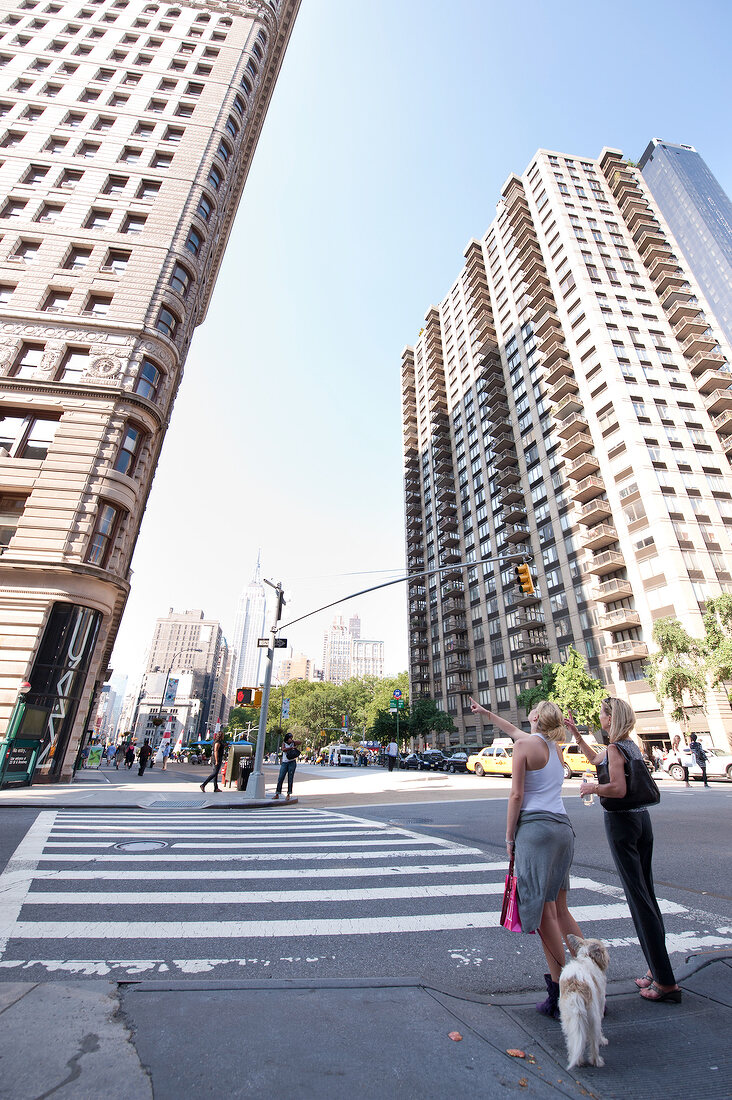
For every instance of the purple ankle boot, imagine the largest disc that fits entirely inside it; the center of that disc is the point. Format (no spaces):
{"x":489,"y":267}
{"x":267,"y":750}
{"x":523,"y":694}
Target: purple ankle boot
{"x":550,"y":1007}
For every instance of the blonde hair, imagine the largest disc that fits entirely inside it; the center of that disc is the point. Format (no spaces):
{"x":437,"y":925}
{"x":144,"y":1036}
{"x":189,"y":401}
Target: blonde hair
{"x":550,"y":721}
{"x":622,"y":719}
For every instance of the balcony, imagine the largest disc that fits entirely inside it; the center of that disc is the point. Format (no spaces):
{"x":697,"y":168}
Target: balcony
{"x":529,"y":670}
{"x":706,"y":360}
{"x":680,"y":306}
{"x":713,"y":380}
{"x":657,"y":250}
{"x":568,"y":406}
{"x":514,"y":513}
{"x":414,"y":505}
{"x":565,"y":387}
{"x":575,"y":423}
{"x":648,"y":235}
{"x":464,"y":684}
{"x":621,"y":619}
{"x":663,"y":265}
{"x":547,"y":323}
{"x":576,"y":445}
{"x":458,"y":644}
{"x":723,"y":423}
{"x":697,"y":342}
{"x":420,"y":657}
{"x":582,"y":466}
{"x":672,"y":276}
{"x":538,"y":283}
{"x":529,"y":641}
{"x":509,"y":475}
{"x":502,"y":439}
{"x":610,"y":591}
{"x":506,"y":460}
{"x":457,"y":663}
{"x":627,"y":651}
{"x":558,"y":371}
{"x":596,"y":509}
{"x":609,"y":562}
{"x":453,"y":606}
{"x":555,"y":350}
{"x":718,"y":401}
{"x":452,"y":588}
{"x":587,"y":489}
{"x":637,"y":210}
{"x":490,"y":366}
{"x":454,"y":624}
{"x":410,"y":433}
{"x":519,"y":532}
{"x":693,"y":325}
{"x":595,"y":538}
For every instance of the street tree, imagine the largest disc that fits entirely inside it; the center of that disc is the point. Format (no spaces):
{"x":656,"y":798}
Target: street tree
{"x":529,"y":697}
{"x":718,"y":645}
{"x":426,"y":718}
{"x":677,"y":673}
{"x":576,"y":690}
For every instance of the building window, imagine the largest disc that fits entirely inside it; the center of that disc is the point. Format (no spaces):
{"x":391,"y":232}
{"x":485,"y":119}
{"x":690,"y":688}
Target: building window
{"x":11,"y":509}
{"x":231,"y":128}
{"x":134,"y":223}
{"x":26,"y":252}
{"x":162,"y":160}
{"x":77,"y":258}
{"x":116,"y":261}
{"x":25,"y":436}
{"x":129,"y":155}
{"x":13,"y":208}
{"x":56,"y":301}
{"x":215,"y":178}
{"x":98,"y":219}
{"x":224,"y":152}
{"x":105,"y":528}
{"x":97,"y":305}
{"x":205,"y":208}
{"x":148,"y":381}
{"x":148,"y":189}
{"x":115,"y":185}
{"x":180,"y":280}
{"x":130,"y":448}
{"x":69,"y":178}
{"x":6,"y":291}
{"x":27,"y":360}
{"x":48,"y":212}
{"x":167,"y":322}
{"x":194,"y":240}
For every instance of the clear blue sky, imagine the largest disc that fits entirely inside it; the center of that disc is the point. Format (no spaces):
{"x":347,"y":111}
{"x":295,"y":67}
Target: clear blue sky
{"x":392,"y":128}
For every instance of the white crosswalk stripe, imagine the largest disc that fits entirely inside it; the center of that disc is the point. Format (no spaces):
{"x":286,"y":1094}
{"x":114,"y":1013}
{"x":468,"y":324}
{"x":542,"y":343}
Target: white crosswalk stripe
{"x":75,"y":899}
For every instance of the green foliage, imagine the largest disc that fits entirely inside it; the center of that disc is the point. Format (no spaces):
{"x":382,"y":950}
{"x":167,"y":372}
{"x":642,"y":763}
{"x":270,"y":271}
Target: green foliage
{"x":576,"y":690}
{"x":425,"y":718}
{"x":240,"y":717}
{"x":718,"y":639}
{"x":677,"y":673}
{"x":529,"y":697}
{"x":319,"y":707}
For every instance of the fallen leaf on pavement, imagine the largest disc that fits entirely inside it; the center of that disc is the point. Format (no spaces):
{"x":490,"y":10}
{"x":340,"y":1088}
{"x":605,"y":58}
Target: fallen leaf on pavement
{"x":516,"y":1053}
{"x":523,"y":1082}
{"x":455,"y":1036}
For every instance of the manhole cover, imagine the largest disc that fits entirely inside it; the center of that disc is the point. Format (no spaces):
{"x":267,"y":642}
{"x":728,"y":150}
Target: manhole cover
{"x":141,"y":845}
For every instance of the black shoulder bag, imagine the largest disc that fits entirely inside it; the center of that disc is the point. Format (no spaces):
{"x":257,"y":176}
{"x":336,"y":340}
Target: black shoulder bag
{"x":640,"y":787}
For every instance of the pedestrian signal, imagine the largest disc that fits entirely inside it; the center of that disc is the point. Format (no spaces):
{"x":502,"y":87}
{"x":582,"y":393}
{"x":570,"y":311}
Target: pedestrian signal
{"x":248,"y":697}
{"x":523,"y":579}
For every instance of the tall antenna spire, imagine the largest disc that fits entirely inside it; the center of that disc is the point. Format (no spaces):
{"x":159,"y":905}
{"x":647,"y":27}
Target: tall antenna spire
{"x":257,"y":570}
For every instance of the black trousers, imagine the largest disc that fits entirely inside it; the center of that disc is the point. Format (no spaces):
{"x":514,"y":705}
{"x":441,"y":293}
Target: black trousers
{"x":391,"y":761}
{"x":630,"y":837}
{"x":214,"y":774}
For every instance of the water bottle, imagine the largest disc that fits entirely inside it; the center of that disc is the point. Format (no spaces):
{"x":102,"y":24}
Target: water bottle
{"x":588,"y":799}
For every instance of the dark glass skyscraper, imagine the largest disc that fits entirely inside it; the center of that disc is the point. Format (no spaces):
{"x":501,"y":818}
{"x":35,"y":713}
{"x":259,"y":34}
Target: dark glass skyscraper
{"x":699,"y":214}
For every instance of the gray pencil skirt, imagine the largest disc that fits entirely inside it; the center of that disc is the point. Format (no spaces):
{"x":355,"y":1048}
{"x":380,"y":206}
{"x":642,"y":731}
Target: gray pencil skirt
{"x":543,"y":857}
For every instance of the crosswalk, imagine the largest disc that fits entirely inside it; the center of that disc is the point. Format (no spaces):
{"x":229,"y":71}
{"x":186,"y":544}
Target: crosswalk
{"x":129,"y":893}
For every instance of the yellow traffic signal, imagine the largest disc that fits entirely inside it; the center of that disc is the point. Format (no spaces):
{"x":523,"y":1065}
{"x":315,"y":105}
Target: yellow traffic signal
{"x":523,"y":578}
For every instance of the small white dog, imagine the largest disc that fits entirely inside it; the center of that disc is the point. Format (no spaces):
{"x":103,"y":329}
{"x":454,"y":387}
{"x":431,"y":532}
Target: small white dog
{"x":582,"y":985}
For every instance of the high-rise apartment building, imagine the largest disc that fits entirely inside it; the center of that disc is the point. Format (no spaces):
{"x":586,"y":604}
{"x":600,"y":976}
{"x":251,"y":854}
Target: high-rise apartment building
{"x":367,"y":657}
{"x":567,"y":403}
{"x":296,"y":667}
{"x":127,"y":130}
{"x":247,"y":662}
{"x":187,"y":658}
{"x":337,"y":652}
{"x":699,"y":214}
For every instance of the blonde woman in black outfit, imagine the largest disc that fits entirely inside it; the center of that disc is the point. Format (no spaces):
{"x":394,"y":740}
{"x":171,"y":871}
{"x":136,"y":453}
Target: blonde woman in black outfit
{"x":630,"y":836}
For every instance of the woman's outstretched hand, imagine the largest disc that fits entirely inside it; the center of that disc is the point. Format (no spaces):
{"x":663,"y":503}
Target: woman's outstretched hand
{"x":571,"y":724}
{"x":476,"y":708}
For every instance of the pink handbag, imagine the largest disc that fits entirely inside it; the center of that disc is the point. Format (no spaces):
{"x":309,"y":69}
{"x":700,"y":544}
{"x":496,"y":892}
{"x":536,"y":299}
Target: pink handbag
{"x":509,"y":909}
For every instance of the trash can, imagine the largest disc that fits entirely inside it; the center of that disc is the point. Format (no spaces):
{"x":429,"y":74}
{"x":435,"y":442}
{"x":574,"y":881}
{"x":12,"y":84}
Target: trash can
{"x":240,"y":761}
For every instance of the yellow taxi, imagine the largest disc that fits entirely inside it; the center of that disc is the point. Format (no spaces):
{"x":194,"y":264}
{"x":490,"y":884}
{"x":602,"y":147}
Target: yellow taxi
{"x":494,"y":759}
{"x":575,"y":761}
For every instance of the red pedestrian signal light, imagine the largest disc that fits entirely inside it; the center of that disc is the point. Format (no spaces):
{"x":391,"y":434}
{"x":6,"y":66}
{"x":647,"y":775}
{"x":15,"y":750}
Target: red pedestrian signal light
{"x":523,"y":579}
{"x":248,"y":697}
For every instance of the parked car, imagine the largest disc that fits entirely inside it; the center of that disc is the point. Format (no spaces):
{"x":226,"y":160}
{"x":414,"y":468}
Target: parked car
{"x":458,"y":762}
{"x":432,"y":760}
{"x":411,"y":760}
{"x":494,"y":759}
{"x":719,"y":765}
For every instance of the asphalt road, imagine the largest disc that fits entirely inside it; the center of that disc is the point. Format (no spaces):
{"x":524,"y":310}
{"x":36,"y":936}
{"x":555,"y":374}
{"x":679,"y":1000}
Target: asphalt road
{"x":391,"y":889}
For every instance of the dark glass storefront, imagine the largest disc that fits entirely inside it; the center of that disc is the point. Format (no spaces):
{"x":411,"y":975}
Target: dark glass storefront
{"x":57,"y":681}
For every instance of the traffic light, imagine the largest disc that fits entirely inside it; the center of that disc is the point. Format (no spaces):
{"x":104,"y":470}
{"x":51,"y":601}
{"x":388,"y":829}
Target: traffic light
{"x":523,"y":579}
{"x":248,"y":697}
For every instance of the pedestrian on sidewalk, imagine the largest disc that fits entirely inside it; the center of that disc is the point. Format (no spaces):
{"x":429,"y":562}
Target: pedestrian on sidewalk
{"x":699,"y":755}
{"x":678,"y":748}
{"x":392,"y":751}
{"x":290,"y":753}
{"x":539,"y":836}
{"x":119,"y":755}
{"x":145,"y":754}
{"x":217,"y":759}
{"x":129,"y":755}
{"x":166,"y":754}
{"x":630,"y":836}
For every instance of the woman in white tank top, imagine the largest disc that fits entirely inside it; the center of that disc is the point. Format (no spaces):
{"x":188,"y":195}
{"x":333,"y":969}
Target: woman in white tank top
{"x":539,"y":836}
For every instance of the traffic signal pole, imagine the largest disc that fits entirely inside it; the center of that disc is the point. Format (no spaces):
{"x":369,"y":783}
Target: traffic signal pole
{"x":258,"y":773}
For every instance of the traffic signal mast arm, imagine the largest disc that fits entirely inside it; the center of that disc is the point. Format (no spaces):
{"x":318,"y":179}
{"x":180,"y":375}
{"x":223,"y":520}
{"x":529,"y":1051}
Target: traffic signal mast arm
{"x":411,"y":577}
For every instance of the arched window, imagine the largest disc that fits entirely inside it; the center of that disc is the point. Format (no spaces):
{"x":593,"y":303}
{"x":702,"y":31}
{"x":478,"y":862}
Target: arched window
{"x":167,"y":322}
{"x":130,"y":448}
{"x":148,"y":380}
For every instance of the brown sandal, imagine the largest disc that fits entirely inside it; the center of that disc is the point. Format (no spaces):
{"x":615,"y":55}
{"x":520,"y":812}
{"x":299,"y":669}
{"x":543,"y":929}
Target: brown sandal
{"x":643,"y":983}
{"x":653,"y":993}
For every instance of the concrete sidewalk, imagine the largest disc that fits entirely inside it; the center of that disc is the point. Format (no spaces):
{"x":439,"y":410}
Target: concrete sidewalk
{"x":361,"y":1040}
